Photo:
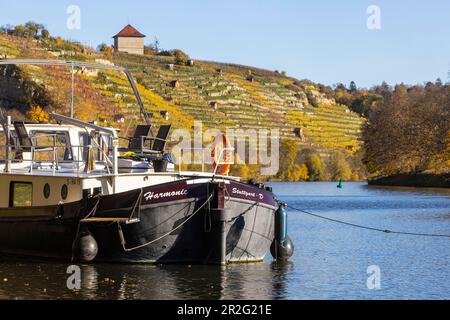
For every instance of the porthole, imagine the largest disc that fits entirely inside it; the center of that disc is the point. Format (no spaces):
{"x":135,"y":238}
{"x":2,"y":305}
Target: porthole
{"x":64,"y":192}
{"x":47,"y":191}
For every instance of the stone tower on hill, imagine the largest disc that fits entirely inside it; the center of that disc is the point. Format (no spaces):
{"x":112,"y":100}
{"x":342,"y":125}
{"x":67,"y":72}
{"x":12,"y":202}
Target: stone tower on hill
{"x":129,"y":40}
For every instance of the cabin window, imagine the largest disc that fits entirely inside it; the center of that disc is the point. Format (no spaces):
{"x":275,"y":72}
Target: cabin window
{"x":64,"y":192}
{"x":21,"y":194}
{"x":46,"y":191}
{"x":97,"y":191}
{"x":52,"y":139}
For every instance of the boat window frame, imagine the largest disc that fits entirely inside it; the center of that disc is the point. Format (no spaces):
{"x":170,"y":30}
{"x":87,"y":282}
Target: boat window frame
{"x":34,"y":133}
{"x":12,"y":193}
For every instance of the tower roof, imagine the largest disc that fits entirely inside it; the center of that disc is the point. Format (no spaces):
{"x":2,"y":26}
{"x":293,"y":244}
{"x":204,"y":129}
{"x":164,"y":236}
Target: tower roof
{"x":130,"y":32}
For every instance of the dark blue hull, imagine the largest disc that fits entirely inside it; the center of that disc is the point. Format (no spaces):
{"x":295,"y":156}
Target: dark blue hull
{"x":188,"y":221}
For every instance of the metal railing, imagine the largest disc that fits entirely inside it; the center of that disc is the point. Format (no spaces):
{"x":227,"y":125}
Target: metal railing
{"x":53,"y":161}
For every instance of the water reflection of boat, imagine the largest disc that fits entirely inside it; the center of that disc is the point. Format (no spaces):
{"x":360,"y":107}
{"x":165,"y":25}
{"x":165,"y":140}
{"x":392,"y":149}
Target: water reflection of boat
{"x":116,"y":281}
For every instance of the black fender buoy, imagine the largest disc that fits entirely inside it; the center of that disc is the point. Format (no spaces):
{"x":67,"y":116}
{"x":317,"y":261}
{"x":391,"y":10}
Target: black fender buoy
{"x":85,"y":246}
{"x":282,"y":251}
{"x":282,"y":247}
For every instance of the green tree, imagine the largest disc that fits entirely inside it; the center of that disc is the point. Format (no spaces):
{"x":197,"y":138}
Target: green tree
{"x":45,"y":34}
{"x":20,"y":31}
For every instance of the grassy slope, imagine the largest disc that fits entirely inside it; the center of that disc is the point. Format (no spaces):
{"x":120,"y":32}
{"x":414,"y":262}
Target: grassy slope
{"x":267,"y":102}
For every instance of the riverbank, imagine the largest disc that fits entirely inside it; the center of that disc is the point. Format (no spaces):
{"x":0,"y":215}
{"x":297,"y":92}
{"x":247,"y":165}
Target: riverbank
{"x":414,"y":180}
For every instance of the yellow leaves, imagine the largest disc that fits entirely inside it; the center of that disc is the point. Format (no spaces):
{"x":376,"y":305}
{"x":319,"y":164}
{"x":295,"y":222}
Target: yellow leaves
{"x":85,"y":110}
{"x":254,"y":90}
{"x":242,"y":171}
{"x":8,"y":48}
{"x":107,"y":51}
{"x":285,"y":82}
{"x":128,"y":154}
{"x":355,"y":176}
{"x":300,"y":173}
{"x":37,"y":114}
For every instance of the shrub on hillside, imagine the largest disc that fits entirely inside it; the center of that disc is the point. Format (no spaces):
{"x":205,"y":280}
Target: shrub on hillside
{"x":312,"y":98}
{"x":149,"y":51}
{"x":293,"y":87}
{"x":166,"y":53}
{"x":106,"y":50}
{"x":28,"y":30}
{"x":327,"y":91}
{"x":181,"y":58}
{"x":58,"y":44}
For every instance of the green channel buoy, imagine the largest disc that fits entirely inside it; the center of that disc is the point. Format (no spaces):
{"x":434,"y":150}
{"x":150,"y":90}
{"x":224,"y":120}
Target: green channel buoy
{"x":340,"y":185}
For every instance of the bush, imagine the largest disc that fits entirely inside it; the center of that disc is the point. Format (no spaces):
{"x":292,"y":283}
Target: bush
{"x":315,"y":167}
{"x":300,"y":173}
{"x":149,"y":51}
{"x":242,"y":171}
{"x":339,"y":168}
{"x":29,"y":30}
{"x":181,"y":58}
{"x":106,"y":50}
{"x":166,"y":53}
{"x":37,"y":114}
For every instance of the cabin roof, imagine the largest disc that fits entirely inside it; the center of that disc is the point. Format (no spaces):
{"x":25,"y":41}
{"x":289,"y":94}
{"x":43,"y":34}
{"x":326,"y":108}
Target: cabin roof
{"x":129,"y":32}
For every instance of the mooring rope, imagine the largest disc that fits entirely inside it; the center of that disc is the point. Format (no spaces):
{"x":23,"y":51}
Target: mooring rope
{"x":370,"y":228}
{"x":164,"y":235}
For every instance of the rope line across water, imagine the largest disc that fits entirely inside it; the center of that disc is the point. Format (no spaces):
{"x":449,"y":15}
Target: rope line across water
{"x":370,"y":228}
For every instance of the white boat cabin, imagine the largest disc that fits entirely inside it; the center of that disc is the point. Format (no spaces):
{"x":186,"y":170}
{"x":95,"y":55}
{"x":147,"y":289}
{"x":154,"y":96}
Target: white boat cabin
{"x":46,"y":164}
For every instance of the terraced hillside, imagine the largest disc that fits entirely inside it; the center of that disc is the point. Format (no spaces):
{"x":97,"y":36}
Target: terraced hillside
{"x":220,"y":95}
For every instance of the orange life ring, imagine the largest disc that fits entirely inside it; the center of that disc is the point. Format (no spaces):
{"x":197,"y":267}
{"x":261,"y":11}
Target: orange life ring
{"x":220,"y":143}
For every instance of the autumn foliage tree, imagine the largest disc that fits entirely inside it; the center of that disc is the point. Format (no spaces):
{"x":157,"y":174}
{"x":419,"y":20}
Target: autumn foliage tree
{"x":409,"y":132}
{"x":37,"y":114}
{"x":181,"y":58}
{"x":291,"y":168}
{"x":106,"y":50}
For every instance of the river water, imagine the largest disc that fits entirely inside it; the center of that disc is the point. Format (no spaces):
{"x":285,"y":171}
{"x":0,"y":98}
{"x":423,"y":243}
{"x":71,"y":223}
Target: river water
{"x":331,"y":261}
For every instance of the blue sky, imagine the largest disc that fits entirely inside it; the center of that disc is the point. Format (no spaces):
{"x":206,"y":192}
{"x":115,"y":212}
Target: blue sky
{"x":324,"y":41}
